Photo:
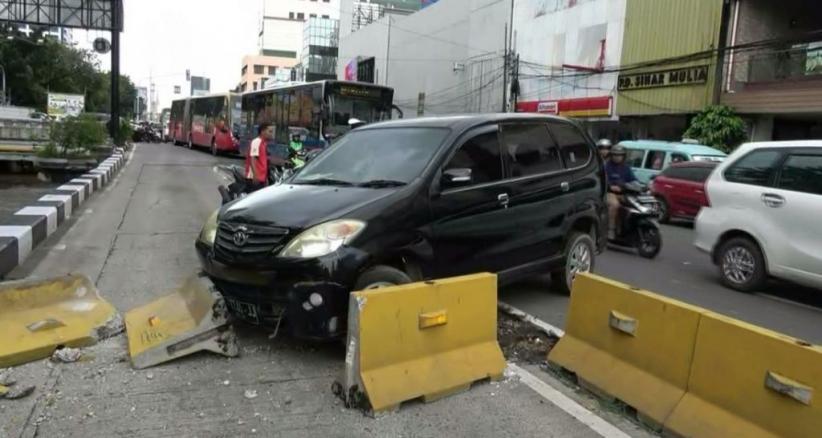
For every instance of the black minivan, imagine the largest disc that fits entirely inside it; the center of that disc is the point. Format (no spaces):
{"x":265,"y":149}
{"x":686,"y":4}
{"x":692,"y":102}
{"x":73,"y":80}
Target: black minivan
{"x":400,"y":201}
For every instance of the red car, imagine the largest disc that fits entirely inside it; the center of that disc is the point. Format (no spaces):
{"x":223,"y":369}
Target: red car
{"x":680,"y":189}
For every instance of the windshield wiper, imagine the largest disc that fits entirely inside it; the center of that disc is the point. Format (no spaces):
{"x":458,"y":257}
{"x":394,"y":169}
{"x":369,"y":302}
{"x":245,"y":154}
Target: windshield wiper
{"x":379,"y":183}
{"x":324,"y":182}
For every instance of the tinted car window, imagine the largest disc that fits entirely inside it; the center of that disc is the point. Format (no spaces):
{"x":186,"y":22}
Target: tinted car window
{"x":634,"y":157}
{"x":572,"y":144}
{"x":756,"y":168}
{"x":674,"y":172}
{"x":530,"y":150}
{"x":655,"y":160}
{"x":481,"y":154}
{"x":802,"y":173}
{"x":695,"y":174}
{"x":397,"y":154}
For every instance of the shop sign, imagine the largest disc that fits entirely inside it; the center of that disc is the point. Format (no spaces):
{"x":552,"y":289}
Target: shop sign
{"x":664,"y":78}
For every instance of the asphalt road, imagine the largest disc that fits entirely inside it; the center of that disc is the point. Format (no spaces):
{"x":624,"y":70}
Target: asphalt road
{"x":135,"y":241}
{"x":684,"y":273}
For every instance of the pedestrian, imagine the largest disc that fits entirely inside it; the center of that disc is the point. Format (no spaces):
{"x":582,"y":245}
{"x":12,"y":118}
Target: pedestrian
{"x":256,"y":160}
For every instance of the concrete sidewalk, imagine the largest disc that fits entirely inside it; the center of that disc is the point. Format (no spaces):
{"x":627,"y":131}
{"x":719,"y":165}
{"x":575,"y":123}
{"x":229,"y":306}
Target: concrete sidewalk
{"x":138,"y":245}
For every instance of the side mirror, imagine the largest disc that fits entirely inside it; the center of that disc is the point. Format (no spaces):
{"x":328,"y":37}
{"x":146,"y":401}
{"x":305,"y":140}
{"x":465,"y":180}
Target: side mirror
{"x":456,"y":177}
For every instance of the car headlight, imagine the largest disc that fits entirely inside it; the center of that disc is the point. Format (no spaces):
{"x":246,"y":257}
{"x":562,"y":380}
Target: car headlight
{"x":209,"y":232}
{"x":323,"y":239}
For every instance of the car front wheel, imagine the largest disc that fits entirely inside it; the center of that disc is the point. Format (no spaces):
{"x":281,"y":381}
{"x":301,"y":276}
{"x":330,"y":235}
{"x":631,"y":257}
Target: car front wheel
{"x":381,"y":276}
{"x":579,"y":257}
{"x":741,"y":265}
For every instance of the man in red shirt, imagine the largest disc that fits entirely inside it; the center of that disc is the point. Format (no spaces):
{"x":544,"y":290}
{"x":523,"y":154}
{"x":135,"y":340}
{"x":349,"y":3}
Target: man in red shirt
{"x":256,"y":160}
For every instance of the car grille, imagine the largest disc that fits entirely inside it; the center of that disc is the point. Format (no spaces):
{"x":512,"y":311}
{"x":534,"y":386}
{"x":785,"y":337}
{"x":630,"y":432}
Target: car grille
{"x":260,"y":243}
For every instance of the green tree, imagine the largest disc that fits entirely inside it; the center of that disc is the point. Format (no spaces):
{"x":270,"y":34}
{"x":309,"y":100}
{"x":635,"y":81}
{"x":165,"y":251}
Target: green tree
{"x":32,"y":70}
{"x":718,"y":126}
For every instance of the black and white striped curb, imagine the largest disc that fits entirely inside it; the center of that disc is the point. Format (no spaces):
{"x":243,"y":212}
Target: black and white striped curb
{"x":32,"y":224}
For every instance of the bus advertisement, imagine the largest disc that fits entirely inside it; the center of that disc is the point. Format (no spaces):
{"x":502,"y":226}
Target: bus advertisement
{"x":316,"y":112}
{"x":211,"y":122}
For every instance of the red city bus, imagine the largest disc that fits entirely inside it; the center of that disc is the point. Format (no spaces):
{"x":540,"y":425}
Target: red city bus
{"x":207,"y":121}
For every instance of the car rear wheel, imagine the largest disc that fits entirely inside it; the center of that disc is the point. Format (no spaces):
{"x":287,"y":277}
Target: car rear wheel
{"x":741,"y":264}
{"x":579,"y":257}
{"x":381,"y":276}
{"x":664,"y":210}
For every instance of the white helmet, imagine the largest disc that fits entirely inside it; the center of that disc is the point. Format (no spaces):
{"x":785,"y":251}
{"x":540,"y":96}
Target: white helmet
{"x":604,"y":143}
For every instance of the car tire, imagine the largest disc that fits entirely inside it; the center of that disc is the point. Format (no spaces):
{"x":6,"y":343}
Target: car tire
{"x":381,"y":276}
{"x":664,"y":210}
{"x":741,"y":264}
{"x":580,"y":251}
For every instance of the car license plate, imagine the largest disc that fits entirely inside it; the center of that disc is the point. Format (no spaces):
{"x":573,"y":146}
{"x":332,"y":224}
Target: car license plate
{"x":246,"y":311}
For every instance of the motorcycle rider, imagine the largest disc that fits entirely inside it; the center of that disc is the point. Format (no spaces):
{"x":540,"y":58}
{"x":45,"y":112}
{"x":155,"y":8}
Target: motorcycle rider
{"x":604,"y":148}
{"x":618,"y":174}
{"x":256,"y":160}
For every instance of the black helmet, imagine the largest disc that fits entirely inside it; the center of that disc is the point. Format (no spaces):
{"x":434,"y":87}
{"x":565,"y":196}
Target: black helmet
{"x":604,"y":143}
{"x":618,"y":150}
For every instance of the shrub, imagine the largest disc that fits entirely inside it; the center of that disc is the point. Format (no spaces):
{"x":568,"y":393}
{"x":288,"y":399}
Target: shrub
{"x":74,"y":137}
{"x":718,"y":126}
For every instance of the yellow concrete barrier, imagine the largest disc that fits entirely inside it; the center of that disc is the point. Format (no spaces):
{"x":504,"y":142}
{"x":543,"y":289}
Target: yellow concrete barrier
{"x":192,"y":318}
{"x":37,"y":316}
{"x":631,"y":344}
{"x":749,"y":382}
{"x":424,"y":340}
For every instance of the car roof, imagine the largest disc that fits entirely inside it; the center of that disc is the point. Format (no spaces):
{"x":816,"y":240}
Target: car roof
{"x":462,"y":122}
{"x":673,"y":146}
{"x":784,"y":144}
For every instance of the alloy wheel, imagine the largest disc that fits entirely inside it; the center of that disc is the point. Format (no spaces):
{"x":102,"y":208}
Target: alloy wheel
{"x":738,"y":265}
{"x":579,"y":260}
{"x":379,"y":285}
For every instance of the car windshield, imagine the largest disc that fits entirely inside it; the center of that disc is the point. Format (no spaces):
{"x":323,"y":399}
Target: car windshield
{"x":712,"y":158}
{"x":375,"y":157}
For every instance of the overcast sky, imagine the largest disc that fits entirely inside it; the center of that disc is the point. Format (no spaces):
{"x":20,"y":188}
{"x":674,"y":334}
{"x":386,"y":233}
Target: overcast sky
{"x":166,"y":37}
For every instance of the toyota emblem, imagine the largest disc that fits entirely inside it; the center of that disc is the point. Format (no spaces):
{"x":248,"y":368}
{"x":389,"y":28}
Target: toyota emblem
{"x":240,"y":238}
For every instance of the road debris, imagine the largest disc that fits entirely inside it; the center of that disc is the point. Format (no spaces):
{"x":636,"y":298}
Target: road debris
{"x":522,"y":341}
{"x":67,"y":355}
{"x":16,"y":392}
{"x":150,"y":376}
{"x":226,"y":382}
{"x":250,"y":393}
{"x":5,"y":377}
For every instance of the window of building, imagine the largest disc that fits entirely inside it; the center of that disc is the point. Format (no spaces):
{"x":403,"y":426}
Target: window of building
{"x":530,"y":150}
{"x":272,"y":70}
{"x":802,"y":173}
{"x":655,"y":160}
{"x":756,"y":168}
{"x":300,"y":16}
{"x":326,"y":16}
{"x":290,"y":15}
{"x":481,"y":154}
{"x":243,"y":86}
{"x":254,"y":85}
{"x":245,"y":70}
{"x":312,"y":15}
{"x":259,"y":69}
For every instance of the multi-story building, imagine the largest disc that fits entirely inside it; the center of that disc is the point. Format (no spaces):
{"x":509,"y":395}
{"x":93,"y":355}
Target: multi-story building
{"x":281,"y":30}
{"x":446,"y":58}
{"x":564,"y":49}
{"x":772,"y":69}
{"x":257,"y":69}
{"x":321,"y":37}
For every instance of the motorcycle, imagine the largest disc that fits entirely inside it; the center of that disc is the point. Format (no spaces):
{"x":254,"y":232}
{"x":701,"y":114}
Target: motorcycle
{"x":638,"y":228}
{"x":278,"y":172}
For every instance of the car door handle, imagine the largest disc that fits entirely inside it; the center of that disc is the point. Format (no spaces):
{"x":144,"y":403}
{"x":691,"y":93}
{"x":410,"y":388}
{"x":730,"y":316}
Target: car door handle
{"x":773,"y":200}
{"x":503,"y":199}
{"x":565,"y":186}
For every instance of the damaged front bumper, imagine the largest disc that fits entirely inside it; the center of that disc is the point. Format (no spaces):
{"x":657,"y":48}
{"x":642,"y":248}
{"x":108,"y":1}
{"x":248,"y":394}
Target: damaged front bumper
{"x":311,"y":294}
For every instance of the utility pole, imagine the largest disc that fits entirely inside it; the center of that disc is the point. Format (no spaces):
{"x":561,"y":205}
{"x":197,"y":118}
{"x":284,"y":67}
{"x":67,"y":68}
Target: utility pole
{"x":514,"y":83}
{"x":388,"y":50}
{"x":505,"y":73}
{"x":3,"y":96}
{"x":114,"y":124}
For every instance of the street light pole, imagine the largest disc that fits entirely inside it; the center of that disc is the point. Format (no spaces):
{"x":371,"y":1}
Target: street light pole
{"x":3,"y":96}
{"x":114,"y":124}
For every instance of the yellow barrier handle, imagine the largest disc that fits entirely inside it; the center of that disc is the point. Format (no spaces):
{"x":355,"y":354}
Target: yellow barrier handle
{"x":624,"y":323}
{"x":433,"y":319}
{"x":791,"y":388}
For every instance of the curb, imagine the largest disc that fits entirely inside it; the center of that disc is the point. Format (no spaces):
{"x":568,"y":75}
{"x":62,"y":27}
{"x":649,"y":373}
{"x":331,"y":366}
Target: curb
{"x":32,"y":224}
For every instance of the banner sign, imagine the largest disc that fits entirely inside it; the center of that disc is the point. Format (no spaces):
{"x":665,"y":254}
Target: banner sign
{"x":61,"y":105}
{"x":664,"y":78}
